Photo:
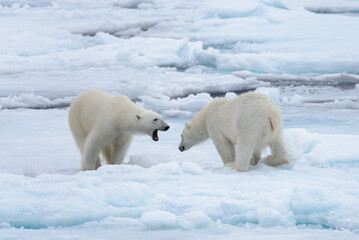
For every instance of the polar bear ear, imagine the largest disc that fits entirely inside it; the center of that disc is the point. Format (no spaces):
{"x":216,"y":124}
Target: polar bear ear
{"x":187,"y":125}
{"x":138,"y":117}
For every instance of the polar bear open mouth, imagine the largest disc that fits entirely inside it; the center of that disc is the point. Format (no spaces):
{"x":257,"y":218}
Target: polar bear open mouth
{"x":155,"y":135}
{"x":155,"y":132}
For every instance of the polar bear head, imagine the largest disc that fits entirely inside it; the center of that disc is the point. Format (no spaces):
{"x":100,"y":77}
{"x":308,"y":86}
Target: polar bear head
{"x":149,"y":122}
{"x":190,"y":137}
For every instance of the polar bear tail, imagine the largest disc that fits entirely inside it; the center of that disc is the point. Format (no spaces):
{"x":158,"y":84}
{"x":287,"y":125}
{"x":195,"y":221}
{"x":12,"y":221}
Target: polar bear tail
{"x":275,"y":120}
{"x":271,"y":124}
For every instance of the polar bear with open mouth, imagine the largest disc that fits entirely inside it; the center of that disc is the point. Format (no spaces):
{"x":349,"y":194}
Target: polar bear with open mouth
{"x":102,"y":122}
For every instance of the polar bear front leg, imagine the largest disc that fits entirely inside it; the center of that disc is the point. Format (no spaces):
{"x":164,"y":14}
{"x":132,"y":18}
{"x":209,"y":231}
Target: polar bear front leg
{"x":121,"y":144}
{"x":224,"y":147}
{"x":90,"y":156}
{"x":98,"y":162}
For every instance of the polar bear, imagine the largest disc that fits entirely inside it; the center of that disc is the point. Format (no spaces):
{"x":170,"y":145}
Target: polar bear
{"x":102,"y":122}
{"x":240,"y":128}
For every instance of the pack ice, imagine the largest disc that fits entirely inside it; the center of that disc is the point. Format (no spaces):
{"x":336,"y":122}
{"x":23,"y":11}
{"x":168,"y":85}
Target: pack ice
{"x":174,"y":58}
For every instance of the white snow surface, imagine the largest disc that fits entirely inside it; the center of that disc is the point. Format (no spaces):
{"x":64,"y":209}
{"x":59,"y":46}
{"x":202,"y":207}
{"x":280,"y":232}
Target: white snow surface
{"x":162,"y":189}
{"x":174,"y":57}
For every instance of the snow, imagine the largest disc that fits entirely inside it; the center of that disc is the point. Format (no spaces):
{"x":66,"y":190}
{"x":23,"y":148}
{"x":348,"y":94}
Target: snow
{"x":158,"y":219}
{"x":30,"y":100}
{"x":148,"y":196}
{"x":273,"y":93}
{"x":194,"y":220}
{"x":174,"y":58}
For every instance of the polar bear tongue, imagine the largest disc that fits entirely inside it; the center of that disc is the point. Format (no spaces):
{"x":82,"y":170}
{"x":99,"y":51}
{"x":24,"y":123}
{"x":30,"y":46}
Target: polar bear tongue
{"x":155,"y":136}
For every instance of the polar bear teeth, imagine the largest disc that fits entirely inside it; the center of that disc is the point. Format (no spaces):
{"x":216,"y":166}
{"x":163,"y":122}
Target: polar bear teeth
{"x":154,"y":135}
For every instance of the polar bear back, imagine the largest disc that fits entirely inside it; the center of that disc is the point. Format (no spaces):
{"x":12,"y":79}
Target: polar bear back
{"x":245,"y":115}
{"x":95,"y":108}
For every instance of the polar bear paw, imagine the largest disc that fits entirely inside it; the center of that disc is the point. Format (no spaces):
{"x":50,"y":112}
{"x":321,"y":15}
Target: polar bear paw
{"x":271,"y":161}
{"x":230,"y":165}
{"x":233,"y":166}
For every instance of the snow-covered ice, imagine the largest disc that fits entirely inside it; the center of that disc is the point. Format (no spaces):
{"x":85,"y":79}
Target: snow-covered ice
{"x":169,"y":190}
{"x":174,"y":57}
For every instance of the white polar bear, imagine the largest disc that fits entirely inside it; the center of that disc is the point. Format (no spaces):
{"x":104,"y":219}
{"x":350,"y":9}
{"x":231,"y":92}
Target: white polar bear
{"x":240,"y":128}
{"x":102,"y":122}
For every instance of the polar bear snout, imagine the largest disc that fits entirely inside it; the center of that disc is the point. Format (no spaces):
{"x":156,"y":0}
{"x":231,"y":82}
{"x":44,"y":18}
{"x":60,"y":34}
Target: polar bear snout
{"x":183,"y":146}
{"x":161,"y":125}
{"x":164,"y":128}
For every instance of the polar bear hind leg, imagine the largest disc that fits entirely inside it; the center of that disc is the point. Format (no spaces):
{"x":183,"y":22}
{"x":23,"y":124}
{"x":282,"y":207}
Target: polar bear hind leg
{"x":279,"y":152}
{"x":78,"y":132}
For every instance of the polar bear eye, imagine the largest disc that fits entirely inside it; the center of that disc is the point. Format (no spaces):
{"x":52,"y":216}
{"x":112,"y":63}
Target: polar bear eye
{"x":155,"y":119}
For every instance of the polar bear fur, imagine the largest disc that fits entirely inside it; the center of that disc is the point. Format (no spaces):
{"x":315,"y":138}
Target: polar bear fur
{"x":102,"y":122}
{"x":240,"y":128}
